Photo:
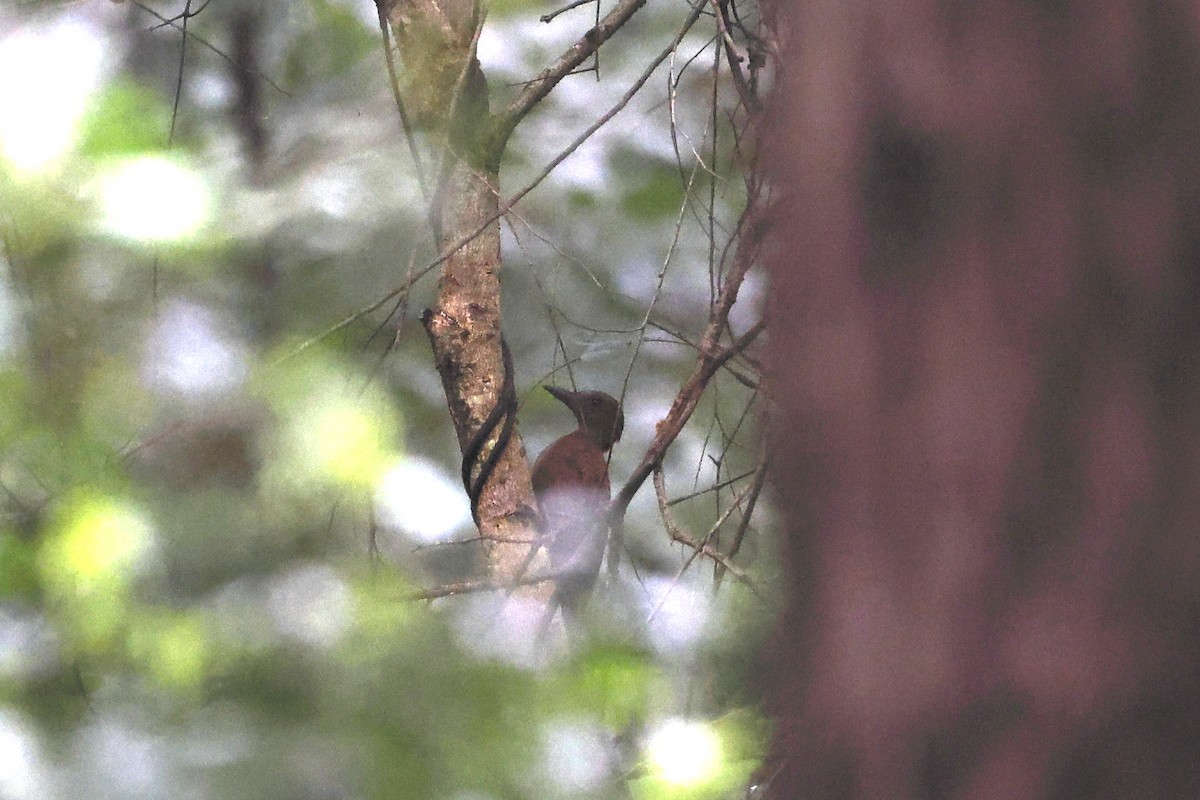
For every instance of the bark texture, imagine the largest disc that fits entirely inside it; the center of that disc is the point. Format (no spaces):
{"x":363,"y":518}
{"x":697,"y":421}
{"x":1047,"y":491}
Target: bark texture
{"x":985,"y":326}
{"x":448,"y":98}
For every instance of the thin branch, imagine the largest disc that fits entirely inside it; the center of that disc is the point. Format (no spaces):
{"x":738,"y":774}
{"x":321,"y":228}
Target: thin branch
{"x":715,"y":487}
{"x":749,"y":100}
{"x":479,"y":585}
{"x":575,"y":55}
{"x":449,"y":157}
{"x":419,"y":548}
{"x":658,"y":288}
{"x":399,"y":310}
{"x":714,"y":268}
{"x":205,"y":43}
{"x":701,"y":547}
{"x":505,"y":206}
{"x":672,"y":425}
{"x":672,"y":93}
{"x":712,"y":358}
{"x":679,"y":338}
{"x":355,"y":316}
{"x":489,"y":584}
{"x":739,"y":536}
{"x":599,"y":123}
{"x":185,"y":14}
{"x":574,"y":4}
{"x":546,"y":240}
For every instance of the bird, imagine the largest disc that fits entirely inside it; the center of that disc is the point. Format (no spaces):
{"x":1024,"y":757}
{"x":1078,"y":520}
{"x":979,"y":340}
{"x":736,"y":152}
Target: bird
{"x":570,"y":482}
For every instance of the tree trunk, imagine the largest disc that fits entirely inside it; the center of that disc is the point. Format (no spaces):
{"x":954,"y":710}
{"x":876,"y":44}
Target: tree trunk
{"x":447,"y":97}
{"x":986,"y":336}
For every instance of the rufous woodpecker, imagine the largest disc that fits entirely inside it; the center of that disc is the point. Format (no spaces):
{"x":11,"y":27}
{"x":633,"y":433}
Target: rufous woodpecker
{"x":570,"y":480}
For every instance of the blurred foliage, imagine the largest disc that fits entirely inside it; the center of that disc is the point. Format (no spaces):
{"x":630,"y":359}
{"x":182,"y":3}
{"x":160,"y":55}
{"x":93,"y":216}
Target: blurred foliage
{"x":326,"y":45}
{"x":204,"y":586}
{"x":124,"y":118}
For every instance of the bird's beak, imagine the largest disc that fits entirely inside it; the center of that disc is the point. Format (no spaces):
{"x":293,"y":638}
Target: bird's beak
{"x":565,"y":396}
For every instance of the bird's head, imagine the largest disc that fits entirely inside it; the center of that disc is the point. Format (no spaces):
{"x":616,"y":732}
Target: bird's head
{"x":598,"y":414}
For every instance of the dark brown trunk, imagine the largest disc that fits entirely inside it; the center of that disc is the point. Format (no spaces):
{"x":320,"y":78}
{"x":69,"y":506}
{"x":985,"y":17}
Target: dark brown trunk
{"x":986,"y":338}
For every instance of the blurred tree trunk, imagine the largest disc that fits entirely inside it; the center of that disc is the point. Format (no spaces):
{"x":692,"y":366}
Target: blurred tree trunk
{"x":986,"y":335}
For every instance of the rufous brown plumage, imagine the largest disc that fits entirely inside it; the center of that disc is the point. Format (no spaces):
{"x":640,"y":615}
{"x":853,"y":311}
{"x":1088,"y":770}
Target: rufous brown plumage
{"x":570,"y":480}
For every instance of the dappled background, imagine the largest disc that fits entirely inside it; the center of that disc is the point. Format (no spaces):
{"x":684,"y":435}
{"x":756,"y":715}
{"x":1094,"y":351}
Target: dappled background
{"x":226,"y":467}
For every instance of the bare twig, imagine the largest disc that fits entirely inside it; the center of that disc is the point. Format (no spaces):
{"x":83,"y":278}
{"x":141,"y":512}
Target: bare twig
{"x":660,"y":279}
{"x":355,"y":316}
{"x":569,"y":6}
{"x":711,"y":359}
{"x":206,"y":44}
{"x":700,"y":547}
{"x":449,"y":157}
{"x":469,"y":540}
{"x":547,"y":79}
{"x":479,"y":585}
{"x":715,"y":487}
{"x":488,"y":585}
{"x":755,"y":492}
{"x":185,"y":14}
{"x":679,"y":338}
{"x":749,"y":99}
{"x":505,"y":206}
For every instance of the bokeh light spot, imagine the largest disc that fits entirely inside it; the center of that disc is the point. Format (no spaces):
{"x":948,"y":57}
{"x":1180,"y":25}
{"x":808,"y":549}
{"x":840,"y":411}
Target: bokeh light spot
{"x":192,"y":355}
{"x":153,"y":199}
{"x":415,"y":497}
{"x":175,"y":648}
{"x":341,"y":441}
{"x":685,"y":753}
{"x":181,"y":654}
{"x":50,"y":75}
{"x":333,"y":432}
{"x":98,"y":547}
{"x":575,"y":756}
{"x":20,"y":758}
{"x":312,"y":604}
{"x":88,"y":563}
